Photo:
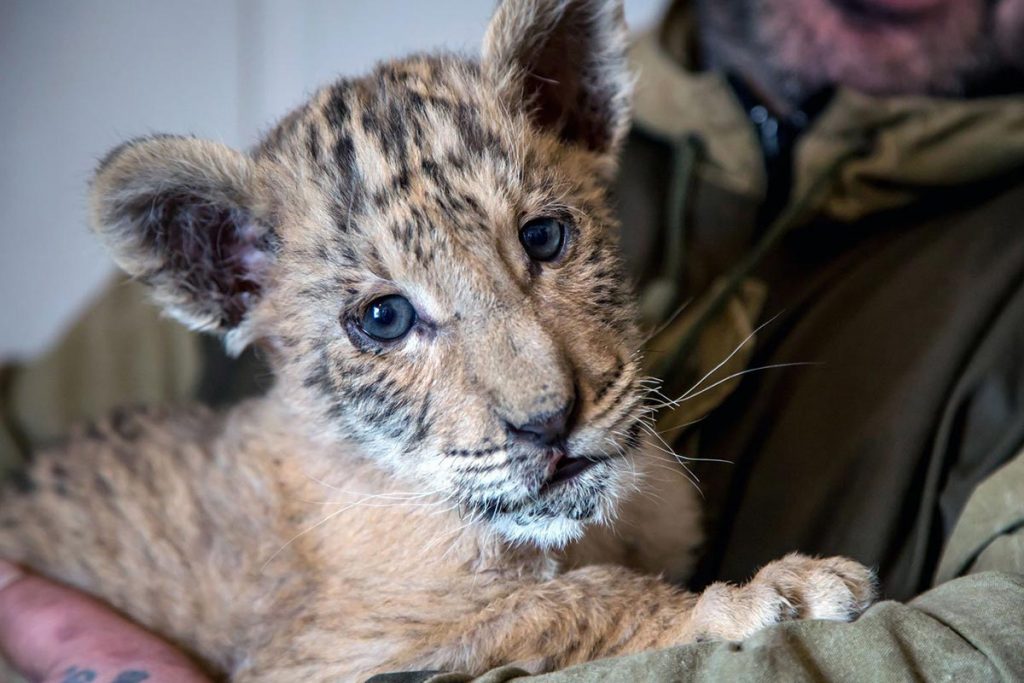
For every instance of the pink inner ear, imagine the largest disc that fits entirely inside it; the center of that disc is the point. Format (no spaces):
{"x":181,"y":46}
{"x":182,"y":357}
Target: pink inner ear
{"x":218,"y":254}
{"x":253,"y":260}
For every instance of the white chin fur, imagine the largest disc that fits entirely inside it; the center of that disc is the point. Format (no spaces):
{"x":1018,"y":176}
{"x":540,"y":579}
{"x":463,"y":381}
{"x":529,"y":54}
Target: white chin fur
{"x":556,"y":532}
{"x":552,"y":533}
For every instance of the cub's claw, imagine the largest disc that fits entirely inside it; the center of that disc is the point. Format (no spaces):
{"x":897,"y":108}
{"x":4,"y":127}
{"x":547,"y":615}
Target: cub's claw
{"x":795,"y":587}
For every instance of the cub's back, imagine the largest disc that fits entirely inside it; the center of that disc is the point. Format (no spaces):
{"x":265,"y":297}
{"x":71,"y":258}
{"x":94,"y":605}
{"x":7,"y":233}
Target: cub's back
{"x":168,"y":499}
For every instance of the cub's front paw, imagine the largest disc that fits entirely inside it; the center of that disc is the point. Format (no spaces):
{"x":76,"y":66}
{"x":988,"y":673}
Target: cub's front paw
{"x":795,"y":587}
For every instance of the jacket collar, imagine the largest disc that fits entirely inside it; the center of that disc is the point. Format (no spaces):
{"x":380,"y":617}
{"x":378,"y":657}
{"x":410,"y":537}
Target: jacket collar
{"x":886,"y":152}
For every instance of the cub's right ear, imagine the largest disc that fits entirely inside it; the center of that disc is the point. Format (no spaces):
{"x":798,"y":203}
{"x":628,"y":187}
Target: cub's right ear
{"x":183,"y":215}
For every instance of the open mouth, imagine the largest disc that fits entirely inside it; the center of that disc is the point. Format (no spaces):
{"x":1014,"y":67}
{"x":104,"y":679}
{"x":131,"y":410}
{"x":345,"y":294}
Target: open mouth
{"x":567,"y":469}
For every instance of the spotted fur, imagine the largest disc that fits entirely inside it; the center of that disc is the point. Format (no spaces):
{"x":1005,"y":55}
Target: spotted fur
{"x":375,"y":511}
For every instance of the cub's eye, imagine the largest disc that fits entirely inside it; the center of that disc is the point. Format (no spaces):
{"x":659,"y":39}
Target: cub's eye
{"x":388,"y":318}
{"x":543,"y":238}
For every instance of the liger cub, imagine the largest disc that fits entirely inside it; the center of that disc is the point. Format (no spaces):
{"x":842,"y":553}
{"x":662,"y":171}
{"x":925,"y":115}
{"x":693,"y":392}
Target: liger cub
{"x":451,"y":470}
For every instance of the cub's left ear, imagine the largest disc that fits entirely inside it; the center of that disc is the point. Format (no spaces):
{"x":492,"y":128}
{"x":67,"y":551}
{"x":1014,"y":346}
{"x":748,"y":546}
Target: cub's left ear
{"x":183,"y":215}
{"x":566,"y":61}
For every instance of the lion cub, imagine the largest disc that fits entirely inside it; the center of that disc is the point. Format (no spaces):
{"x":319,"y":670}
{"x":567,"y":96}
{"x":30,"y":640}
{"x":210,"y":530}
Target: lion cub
{"x":427,"y":257}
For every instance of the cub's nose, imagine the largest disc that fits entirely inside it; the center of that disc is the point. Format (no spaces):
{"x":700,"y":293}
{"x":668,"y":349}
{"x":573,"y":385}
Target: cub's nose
{"x":544,"y":429}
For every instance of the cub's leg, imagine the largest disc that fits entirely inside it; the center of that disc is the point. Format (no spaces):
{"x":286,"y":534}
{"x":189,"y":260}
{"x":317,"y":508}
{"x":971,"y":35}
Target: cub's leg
{"x":582,"y":615}
{"x":795,"y":587}
{"x":597,"y":612}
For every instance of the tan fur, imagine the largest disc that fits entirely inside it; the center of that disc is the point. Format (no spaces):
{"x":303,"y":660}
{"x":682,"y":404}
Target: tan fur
{"x":375,"y":511}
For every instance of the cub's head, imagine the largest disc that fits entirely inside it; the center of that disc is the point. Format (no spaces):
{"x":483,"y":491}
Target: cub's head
{"x":428,"y":256}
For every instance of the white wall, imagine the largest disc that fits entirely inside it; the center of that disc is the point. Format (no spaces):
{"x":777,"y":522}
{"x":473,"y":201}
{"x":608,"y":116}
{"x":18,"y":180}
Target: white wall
{"x":77,"y":77}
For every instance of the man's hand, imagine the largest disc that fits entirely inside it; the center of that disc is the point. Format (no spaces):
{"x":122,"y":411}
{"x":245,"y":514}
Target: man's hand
{"x":53,"y":634}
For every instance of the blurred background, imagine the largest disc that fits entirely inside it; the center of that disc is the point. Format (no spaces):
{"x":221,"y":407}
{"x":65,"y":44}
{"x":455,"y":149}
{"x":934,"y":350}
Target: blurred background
{"x":77,"y":77}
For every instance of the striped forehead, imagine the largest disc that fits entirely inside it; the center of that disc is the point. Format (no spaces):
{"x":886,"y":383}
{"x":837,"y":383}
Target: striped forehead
{"x":414,"y":138}
{"x":416,"y":167}
{"x":418,"y":117}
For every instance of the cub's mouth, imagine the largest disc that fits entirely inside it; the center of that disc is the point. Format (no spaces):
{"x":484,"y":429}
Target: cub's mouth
{"x":576,"y":493}
{"x":551,"y":494}
{"x":569,"y":494}
{"x":565,"y":468}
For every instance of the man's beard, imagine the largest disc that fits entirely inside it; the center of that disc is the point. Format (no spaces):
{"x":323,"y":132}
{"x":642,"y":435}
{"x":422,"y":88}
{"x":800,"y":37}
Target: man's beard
{"x":949,"y":50}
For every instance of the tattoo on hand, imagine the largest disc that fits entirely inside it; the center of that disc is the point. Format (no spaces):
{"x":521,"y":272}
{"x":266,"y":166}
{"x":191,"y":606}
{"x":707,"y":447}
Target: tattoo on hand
{"x":76,"y":675}
{"x":80,"y":675}
{"x":133,"y":676}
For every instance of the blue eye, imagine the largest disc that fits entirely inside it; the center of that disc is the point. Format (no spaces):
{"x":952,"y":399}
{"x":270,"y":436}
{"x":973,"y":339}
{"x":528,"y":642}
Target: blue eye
{"x":543,"y":238}
{"x":388,"y":318}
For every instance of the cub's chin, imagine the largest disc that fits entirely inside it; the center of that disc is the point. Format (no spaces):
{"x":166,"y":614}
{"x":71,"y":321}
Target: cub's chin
{"x":584,"y":495}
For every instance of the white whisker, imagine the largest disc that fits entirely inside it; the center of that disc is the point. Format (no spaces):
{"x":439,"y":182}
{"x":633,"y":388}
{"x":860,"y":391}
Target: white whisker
{"x":688,"y":396}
